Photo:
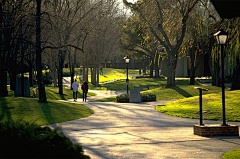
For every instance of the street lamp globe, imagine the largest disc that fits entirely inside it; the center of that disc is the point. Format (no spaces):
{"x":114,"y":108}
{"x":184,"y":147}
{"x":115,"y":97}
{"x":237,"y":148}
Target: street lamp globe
{"x":127,"y":59}
{"x":221,"y":37}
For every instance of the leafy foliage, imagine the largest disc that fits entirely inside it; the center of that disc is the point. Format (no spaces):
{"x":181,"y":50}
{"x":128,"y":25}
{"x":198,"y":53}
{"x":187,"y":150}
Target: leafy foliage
{"x":123,"y":98}
{"x":147,"y":97}
{"x":25,"y":140}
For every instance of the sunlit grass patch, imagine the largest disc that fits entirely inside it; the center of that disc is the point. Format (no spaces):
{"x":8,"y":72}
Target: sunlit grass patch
{"x":212,"y":107}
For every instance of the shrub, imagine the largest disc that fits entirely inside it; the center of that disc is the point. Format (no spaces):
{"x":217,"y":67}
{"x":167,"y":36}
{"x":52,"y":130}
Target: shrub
{"x":47,"y":81}
{"x":147,"y":97}
{"x":123,"y":98}
{"x":25,"y":140}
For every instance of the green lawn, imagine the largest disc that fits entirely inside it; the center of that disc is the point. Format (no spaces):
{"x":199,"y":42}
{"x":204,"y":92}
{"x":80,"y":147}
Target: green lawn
{"x":106,"y":71}
{"x":30,"y":110}
{"x":182,"y":91}
{"x":121,"y":85}
{"x":188,"y":105}
{"x":212,"y":105}
{"x":234,"y":154}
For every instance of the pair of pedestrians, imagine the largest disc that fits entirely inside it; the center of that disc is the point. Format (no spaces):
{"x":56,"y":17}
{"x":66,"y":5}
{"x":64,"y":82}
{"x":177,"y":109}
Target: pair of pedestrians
{"x":84,"y":88}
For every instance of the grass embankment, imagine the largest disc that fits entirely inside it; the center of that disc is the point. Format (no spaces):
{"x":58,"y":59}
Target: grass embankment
{"x":212,"y":107}
{"x":234,"y":154}
{"x":30,"y":110}
{"x":188,"y":105}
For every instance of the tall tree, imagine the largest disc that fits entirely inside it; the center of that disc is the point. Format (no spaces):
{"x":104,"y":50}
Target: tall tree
{"x":138,"y":40}
{"x":3,"y":76}
{"x":41,"y":86}
{"x":167,"y":20}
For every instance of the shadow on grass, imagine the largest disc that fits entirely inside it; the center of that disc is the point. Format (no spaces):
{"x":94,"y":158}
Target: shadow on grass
{"x":182,"y":92}
{"x":5,"y":110}
{"x":47,"y":112}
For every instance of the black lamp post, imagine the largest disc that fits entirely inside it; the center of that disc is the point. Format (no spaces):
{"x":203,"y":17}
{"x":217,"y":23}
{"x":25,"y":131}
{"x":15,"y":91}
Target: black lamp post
{"x":221,"y":37}
{"x":127,"y":60}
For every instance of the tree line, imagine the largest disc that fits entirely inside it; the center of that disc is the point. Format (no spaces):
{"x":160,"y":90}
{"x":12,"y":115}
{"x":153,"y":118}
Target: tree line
{"x":172,"y":29}
{"x":36,"y":33}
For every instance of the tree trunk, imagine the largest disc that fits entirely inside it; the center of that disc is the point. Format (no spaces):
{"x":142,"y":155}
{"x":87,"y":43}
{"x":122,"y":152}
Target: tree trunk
{"x":3,"y":79}
{"x":192,"y":76}
{"x":192,"y":68}
{"x":60,"y":72}
{"x":151,"y":68}
{"x":171,"y":71}
{"x":97,"y":82}
{"x":156,"y":66}
{"x":13,"y":76}
{"x":216,"y":74}
{"x":236,"y":78}
{"x":22,"y":84}
{"x":93,"y":76}
{"x":72,"y":75}
{"x":160,"y":65}
{"x":3,"y":74}
{"x":31,"y":74}
{"x":41,"y":86}
{"x":83,"y":72}
{"x":54,"y":76}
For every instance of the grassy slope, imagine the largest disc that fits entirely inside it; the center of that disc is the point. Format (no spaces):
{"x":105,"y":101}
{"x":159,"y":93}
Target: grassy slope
{"x":188,"y":105}
{"x":212,"y":103}
{"x":234,"y":154}
{"x":28,"y":109}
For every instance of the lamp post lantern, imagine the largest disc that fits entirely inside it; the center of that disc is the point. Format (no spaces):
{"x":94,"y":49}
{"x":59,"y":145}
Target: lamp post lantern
{"x":127,"y":60}
{"x":221,"y":37}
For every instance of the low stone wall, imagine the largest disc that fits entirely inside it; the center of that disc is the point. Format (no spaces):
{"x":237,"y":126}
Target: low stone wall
{"x":216,"y":130}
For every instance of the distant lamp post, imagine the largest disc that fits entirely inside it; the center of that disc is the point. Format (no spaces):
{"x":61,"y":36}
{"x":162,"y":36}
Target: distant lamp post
{"x":127,"y":60}
{"x":221,"y":37}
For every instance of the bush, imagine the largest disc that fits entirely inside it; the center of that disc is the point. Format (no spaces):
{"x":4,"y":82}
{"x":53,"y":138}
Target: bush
{"x":123,"y":98}
{"x":24,"y":140}
{"x":145,"y":97}
{"x":47,"y":81}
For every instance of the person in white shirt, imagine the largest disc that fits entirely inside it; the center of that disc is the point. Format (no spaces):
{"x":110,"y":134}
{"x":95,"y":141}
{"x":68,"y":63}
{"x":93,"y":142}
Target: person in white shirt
{"x":75,"y":86}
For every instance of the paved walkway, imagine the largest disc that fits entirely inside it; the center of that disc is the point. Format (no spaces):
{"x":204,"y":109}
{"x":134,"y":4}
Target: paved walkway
{"x":137,"y":130}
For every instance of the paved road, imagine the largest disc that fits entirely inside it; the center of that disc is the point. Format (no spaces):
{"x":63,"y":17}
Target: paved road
{"x":137,"y":130}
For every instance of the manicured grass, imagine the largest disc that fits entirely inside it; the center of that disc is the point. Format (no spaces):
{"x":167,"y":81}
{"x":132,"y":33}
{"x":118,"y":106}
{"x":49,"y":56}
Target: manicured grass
{"x":234,"y":154}
{"x":52,"y":93}
{"x":121,"y":85}
{"x":181,"y":92}
{"x":106,"y":71}
{"x":111,"y":99}
{"x":105,"y":78}
{"x":212,"y":105}
{"x":30,"y":110}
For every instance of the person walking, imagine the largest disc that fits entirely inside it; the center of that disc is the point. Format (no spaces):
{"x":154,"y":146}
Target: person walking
{"x":84,"y":88}
{"x":75,"y":86}
{"x":101,"y":70}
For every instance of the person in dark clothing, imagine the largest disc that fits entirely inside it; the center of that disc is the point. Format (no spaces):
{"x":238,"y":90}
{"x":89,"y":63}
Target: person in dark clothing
{"x":84,"y":88}
{"x":101,"y":70}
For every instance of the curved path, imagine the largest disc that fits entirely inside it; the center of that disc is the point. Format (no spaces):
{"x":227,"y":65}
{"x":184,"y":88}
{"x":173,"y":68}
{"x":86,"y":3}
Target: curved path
{"x":137,"y":130}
